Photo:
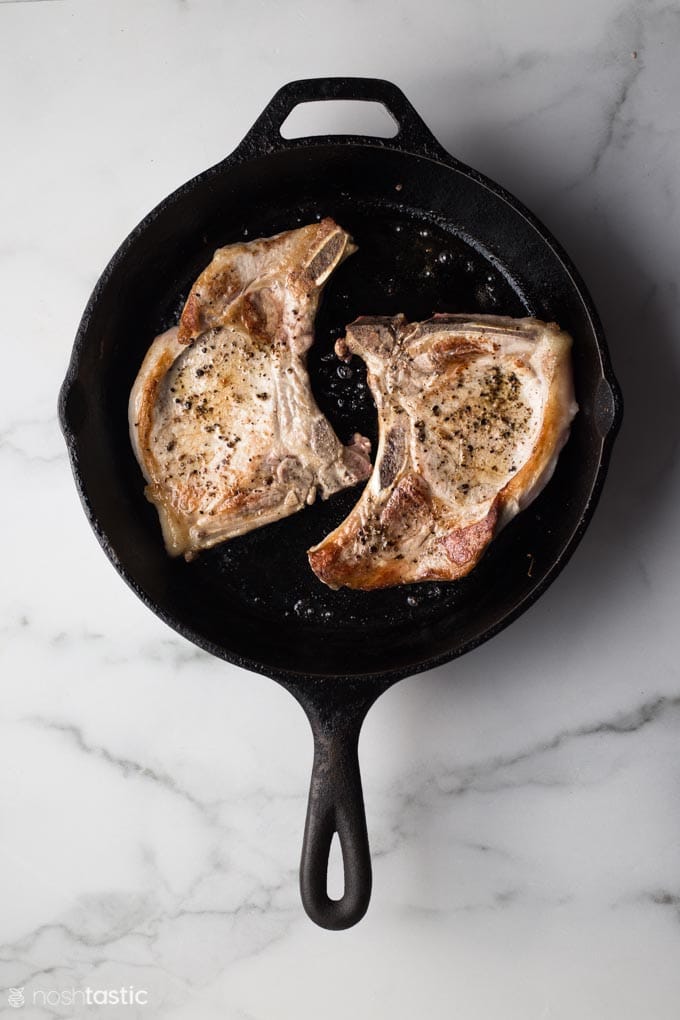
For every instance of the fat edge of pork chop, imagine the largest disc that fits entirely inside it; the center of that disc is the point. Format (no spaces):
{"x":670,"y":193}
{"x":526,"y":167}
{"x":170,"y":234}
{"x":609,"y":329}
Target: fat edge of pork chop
{"x":222,"y":417}
{"x":472,"y":414}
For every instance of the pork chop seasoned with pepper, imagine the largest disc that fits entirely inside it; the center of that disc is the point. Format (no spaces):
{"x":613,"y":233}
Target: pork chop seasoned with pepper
{"x":472,"y":413}
{"x":222,"y":417}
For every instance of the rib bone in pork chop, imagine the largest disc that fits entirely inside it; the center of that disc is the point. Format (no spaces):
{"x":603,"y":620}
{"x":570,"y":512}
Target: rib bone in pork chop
{"x":222,"y":417}
{"x":472,"y":414}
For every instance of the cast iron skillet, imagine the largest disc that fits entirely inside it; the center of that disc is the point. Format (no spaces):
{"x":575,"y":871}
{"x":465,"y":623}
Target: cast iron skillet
{"x":433,"y":235}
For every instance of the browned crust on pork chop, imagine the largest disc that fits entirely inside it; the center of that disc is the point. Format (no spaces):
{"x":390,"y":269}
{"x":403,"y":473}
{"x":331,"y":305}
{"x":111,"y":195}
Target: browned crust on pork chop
{"x":473,"y":413}
{"x":222,"y":417}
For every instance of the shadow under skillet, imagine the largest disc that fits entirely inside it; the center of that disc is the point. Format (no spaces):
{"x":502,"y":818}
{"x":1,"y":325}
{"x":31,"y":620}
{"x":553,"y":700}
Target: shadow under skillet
{"x":599,"y":234}
{"x":638,"y":499}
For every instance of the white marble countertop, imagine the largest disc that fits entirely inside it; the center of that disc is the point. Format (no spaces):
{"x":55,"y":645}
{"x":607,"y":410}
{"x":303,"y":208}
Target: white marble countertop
{"x":524,"y":802}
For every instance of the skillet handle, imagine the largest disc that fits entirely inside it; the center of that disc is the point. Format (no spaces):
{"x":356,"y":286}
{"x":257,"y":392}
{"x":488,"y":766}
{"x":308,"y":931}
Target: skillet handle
{"x":412,"y":135}
{"x":336,"y":804}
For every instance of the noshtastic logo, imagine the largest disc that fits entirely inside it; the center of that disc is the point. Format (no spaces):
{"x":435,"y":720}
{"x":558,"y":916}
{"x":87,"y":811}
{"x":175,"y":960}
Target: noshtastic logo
{"x":15,"y":997}
{"x":125,"y":996}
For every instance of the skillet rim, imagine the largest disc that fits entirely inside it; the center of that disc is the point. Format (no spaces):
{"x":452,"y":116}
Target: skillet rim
{"x":430,"y":150}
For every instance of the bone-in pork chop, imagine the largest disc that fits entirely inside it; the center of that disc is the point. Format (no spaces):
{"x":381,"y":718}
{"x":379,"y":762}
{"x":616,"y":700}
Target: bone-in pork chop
{"x":472,"y":413}
{"x":222,"y":416}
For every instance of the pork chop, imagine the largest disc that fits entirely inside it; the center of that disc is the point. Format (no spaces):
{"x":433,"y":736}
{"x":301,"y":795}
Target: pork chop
{"x":472,"y":413}
{"x":222,"y":417}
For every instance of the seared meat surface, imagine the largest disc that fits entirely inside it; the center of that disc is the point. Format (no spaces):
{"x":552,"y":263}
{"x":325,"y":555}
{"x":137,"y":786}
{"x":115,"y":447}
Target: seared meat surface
{"x":473,"y":413}
{"x":222,"y":417}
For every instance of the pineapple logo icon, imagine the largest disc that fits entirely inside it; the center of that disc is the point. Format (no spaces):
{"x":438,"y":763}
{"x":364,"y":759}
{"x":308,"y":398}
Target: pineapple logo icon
{"x":16,"y":997}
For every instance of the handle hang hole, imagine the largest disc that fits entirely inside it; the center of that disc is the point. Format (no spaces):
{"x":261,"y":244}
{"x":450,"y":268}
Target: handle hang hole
{"x":339,"y":117}
{"x":335,"y":879}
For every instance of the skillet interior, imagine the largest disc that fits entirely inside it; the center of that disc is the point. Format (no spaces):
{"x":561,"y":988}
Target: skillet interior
{"x":430,"y":237}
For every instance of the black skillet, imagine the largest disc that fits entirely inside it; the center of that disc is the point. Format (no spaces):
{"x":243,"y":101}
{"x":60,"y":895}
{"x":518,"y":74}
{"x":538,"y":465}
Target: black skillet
{"x":433,"y":235}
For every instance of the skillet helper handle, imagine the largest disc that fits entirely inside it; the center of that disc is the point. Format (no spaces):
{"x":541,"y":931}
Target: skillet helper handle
{"x":336,"y":805}
{"x":413,"y":135}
